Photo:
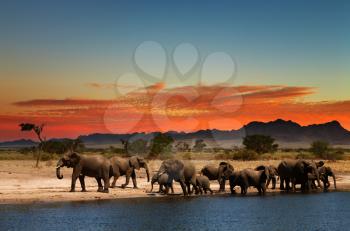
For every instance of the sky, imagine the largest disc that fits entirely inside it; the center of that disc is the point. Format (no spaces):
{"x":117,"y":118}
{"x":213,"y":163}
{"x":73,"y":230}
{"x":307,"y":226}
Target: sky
{"x":116,"y":66}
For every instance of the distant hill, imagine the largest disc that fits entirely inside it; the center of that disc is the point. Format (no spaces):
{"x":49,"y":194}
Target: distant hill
{"x":18,"y":143}
{"x":286,"y":133}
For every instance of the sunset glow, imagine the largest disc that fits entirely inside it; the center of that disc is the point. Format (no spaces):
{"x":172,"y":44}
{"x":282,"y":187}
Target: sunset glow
{"x":83,"y":69}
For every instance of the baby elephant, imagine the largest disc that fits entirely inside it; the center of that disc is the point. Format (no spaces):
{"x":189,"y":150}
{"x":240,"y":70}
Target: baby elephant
{"x":247,"y":178}
{"x":162,"y":180}
{"x":203,"y":184}
{"x":273,"y":174}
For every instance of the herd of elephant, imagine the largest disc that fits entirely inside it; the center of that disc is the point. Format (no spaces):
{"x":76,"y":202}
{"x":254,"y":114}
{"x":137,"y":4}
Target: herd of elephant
{"x":307,"y":174}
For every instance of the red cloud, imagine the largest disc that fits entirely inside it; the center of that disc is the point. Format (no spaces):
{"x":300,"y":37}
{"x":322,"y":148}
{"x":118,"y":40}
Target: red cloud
{"x":183,"y":109}
{"x":62,"y":102}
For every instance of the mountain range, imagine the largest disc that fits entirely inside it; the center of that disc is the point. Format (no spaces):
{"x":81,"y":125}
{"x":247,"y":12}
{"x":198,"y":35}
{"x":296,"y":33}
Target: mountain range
{"x":286,"y":133}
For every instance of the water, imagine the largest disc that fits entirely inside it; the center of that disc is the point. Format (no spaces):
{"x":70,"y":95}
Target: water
{"x":321,"y":211}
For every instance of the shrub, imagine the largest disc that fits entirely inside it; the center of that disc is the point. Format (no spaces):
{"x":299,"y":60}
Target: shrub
{"x":224,"y":156}
{"x":245,"y":154}
{"x":320,"y":149}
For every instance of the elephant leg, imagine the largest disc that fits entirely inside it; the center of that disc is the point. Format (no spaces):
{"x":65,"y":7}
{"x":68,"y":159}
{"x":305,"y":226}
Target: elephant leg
{"x":82,"y":183}
{"x":263,"y":188}
{"x":211,"y":191}
{"x":273,"y":183}
{"x":127,"y":176}
{"x":194,"y":184}
{"x":232,"y":190}
{"x":282,"y":183}
{"x":106,"y":184}
{"x":309,"y":185}
{"x":115,"y":178}
{"x":268,"y":182}
{"x":99,"y":182}
{"x":183,"y":186}
{"x":222,"y":184}
{"x":166,"y":189}
{"x":200,"y":189}
{"x":243,"y":190}
{"x":172,"y":188}
{"x":188,"y":185}
{"x":75,"y":176}
{"x":259,"y":190}
{"x":133,"y":177}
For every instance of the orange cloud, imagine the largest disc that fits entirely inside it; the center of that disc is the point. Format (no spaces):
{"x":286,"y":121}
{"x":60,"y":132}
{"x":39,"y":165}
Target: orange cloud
{"x":184,"y":108}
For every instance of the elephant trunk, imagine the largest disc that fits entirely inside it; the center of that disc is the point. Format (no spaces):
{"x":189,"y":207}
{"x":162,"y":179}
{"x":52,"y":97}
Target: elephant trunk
{"x":152,"y":185}
{"x":147,"y":172}
{"x":335,"y":184}
{"x":318,"y":180}
{"x":58,"y":169}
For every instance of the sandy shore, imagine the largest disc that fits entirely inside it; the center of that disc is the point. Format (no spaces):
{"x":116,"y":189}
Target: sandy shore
{"x":22,"y":183}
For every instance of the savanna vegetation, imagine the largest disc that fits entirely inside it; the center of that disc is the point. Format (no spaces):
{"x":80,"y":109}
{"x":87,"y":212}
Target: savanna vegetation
{"x":254,"y":147}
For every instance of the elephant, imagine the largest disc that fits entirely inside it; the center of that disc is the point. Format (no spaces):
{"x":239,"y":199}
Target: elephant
{"x":220,"y":173}
{"x":162,"y":180}
{"x":324,"y":172}
{"x":92,"y":166}
{"x":273,"y":174}
{"x":203,"y":184}
{"x":122,"y":166}
{"x":249,"y":177}
{"x":297,"y":172}
{"x":180,"y":171}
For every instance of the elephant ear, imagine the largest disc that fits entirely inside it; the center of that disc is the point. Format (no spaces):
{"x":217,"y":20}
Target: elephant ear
{"x":328,"y":171}
{"x":309,"y":169}
{"x":74,"y":158}
{"x":134,"y":162}
{"x":273,"y":170}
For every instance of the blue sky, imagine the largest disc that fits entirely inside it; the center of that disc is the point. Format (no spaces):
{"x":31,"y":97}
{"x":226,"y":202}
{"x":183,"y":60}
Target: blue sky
{"x":52,"y":49}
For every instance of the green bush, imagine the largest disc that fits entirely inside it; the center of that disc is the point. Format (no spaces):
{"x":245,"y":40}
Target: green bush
{"x":260,"y":143}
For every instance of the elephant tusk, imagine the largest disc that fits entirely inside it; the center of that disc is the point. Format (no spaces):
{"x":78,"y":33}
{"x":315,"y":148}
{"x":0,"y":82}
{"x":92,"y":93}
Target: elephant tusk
{"x":58,"y":167}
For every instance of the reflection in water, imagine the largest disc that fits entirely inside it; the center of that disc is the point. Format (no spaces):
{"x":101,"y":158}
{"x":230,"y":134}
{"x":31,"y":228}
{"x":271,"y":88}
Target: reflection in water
{"x":322,"y":211}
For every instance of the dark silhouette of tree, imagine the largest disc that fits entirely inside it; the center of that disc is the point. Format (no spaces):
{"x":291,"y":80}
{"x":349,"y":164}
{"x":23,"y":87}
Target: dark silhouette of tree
{"x":38,"y":129}
{"x":260,"y":143}
{"x":125,"y":144}
{"x":199,"y":145}
{"x":320,"y":149}
{"x":160,"y":144}
{"x":138,"y":147}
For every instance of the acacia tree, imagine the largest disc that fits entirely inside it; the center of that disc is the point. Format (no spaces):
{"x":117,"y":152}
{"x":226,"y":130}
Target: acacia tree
{"x":37,"y":129}
{"x":260,"y":143}
{"x":160,"y":144}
